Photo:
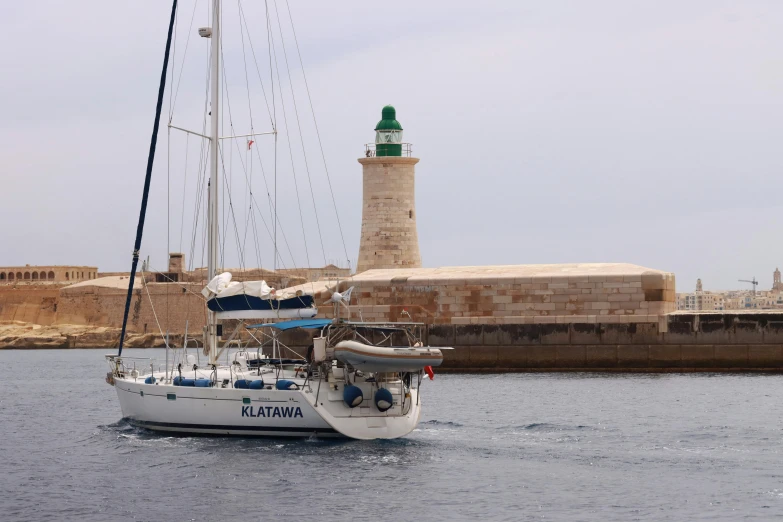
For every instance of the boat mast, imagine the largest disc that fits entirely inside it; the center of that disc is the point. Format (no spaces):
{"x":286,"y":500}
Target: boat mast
{"x":147,"y":180}
{"x":212,"y":249}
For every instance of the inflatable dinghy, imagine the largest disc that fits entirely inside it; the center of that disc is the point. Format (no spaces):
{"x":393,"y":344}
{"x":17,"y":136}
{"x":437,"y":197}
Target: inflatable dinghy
{"x":386,"y":358}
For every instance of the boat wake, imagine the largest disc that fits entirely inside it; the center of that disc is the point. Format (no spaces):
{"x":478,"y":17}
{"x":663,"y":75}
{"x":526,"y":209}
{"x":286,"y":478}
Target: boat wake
{"x":543,"y":427}
{"x":121,"y":426}
{"x":441,"y":424}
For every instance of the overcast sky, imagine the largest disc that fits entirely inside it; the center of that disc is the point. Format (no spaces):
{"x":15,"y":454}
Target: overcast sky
{"x":548,"y":132}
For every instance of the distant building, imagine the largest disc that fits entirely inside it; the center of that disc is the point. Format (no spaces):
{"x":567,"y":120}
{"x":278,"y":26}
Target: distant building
{"x":733,"y":299}
{"x":46,"y":274}
{"x":701,"y":300}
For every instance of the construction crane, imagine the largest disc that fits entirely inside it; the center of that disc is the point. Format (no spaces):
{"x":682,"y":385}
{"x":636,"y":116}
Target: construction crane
{"x":752,"y":281}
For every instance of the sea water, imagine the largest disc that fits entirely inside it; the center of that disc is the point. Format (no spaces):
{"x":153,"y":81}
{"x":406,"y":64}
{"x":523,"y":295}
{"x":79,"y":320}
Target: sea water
{"x":575,"y":446}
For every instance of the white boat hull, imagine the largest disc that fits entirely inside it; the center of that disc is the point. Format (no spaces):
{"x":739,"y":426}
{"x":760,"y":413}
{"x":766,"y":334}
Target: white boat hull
{"x":219,"y":411}
{"x":279,"y":413}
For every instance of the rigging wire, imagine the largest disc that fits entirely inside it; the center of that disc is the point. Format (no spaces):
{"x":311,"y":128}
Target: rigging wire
{"x":203,"y":161}
{"x":291,"y":156}
{"x":152,"y":306}
{"x":227,"y":103}
{"x":299,"y":127}
{"x":246,"y":159}
{"x":168,"y":167}
{"x":168,"y":213}
{"x":231,"y":212}
{"x":257,"y":207}
{"x":252,"y":50}
{"x":252,"y":131}
{"x":185,"y":289}
{"x":274,"y":118}
{"x":269,"y":232}
{"x":248,"y":181}
{"x":318,"y":134}
{"x":184,"y":191}
{"x":182,"y":67}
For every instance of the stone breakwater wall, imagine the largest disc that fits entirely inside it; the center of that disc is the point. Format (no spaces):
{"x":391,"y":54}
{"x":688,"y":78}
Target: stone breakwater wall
{"x":678,"y":342}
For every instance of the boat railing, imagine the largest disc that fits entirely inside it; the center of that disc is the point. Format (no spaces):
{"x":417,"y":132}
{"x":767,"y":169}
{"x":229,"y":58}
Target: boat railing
{"x":120,"y":364}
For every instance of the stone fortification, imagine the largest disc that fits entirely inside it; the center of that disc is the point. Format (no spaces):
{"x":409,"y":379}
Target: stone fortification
{"x":30,"y":303}
{"x":102,"y":303}
{"x":568,"y":293}
{"x":389,"y":238}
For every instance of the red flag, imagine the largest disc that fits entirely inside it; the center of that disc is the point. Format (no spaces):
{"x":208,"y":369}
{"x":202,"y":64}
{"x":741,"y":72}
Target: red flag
{"x":250,"y":144}
{"x":428,"y":371}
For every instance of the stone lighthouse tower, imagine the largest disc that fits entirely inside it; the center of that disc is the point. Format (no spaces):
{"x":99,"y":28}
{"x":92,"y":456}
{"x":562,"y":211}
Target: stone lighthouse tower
{"x":389,"y":237}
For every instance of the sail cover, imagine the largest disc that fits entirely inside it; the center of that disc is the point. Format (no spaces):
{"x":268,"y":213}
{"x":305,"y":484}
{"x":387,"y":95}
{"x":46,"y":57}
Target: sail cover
{"x":254,"y":299}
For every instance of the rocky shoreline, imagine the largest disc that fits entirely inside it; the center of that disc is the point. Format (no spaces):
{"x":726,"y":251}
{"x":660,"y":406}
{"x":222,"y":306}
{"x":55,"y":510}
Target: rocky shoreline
{"x":27,"y":336}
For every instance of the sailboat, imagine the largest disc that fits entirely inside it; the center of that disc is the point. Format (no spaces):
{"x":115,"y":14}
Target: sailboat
{"x":358,"y":380}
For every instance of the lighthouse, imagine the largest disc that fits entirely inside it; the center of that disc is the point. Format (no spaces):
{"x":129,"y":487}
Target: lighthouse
{"x":389,"y":238}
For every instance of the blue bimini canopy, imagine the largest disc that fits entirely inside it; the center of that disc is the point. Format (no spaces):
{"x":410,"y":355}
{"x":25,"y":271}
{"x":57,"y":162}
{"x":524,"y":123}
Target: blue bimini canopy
{"x":299,"y":323}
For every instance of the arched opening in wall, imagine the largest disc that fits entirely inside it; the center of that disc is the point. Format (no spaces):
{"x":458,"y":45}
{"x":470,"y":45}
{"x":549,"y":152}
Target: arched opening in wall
{"x":2,"y":276}
{"x":51,"y":276}
{"x":43,"y":275}
{"x":27,"y":276}
{"x":18,"y":275}
{"x":67,"y":276}
{"x":35,"y":276}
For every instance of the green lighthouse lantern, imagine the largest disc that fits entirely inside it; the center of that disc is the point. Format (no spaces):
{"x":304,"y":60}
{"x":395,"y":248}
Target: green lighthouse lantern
{"x":388,"y":134}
